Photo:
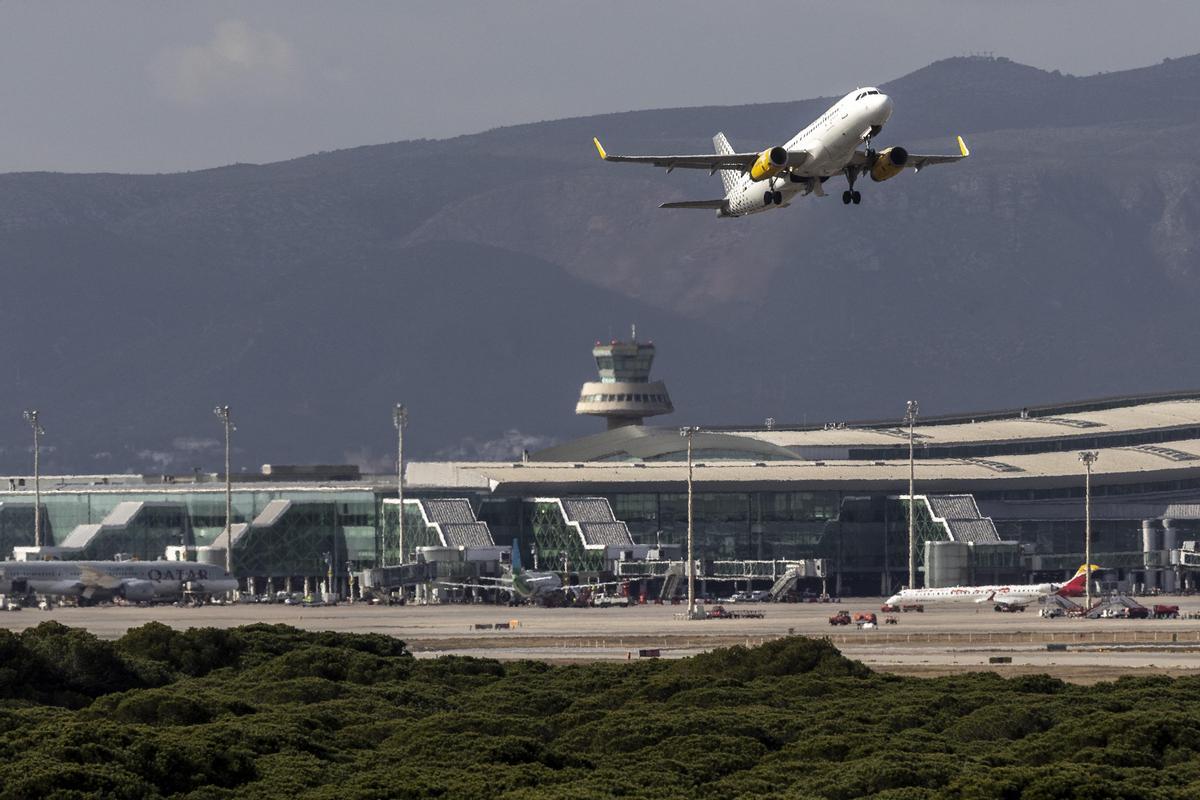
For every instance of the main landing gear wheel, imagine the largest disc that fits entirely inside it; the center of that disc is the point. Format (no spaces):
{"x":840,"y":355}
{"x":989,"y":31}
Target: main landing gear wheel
{"x":847,"y":196}
{"x":778,"y":198}
{"x":856,"y":197}
{"x":768,"y":198}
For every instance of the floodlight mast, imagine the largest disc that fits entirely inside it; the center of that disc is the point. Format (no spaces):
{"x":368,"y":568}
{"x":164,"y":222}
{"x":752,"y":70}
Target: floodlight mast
{"x":1088,"y":457}
{"x":222,"y":413}
{"x":688,"y":432}
{"x":31,"y":416}
{"x":400,"y":421}
{"x":910,"y":416}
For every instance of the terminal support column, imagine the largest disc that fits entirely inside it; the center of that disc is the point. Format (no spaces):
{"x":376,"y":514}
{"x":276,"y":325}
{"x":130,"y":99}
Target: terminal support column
{"x":687,"y":433}
{"x":910,"y":416}
{"x":400,"y":420}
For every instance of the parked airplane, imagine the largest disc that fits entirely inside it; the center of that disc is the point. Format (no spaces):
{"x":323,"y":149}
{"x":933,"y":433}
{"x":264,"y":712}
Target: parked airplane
{"x":760,"y":181}
{"x":1002,"y":596}
{"x":533,"y":585}
{"x":91,"y":581}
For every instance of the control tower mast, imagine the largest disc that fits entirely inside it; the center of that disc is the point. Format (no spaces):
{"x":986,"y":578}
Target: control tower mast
{"x":624,"y":395}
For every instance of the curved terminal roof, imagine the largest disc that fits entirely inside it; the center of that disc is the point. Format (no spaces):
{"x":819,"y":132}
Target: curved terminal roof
{"x":1115,"y":467}
{"x":1131,"y":421}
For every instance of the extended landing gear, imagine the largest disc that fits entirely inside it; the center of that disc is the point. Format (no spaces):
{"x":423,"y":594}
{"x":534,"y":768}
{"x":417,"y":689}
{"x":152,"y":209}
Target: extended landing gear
{"x":850,"y":195}
{"x":772,"y":197}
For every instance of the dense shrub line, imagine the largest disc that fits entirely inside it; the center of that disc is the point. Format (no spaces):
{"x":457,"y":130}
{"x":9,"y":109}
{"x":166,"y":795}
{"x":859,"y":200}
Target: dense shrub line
{"x":270,"y":711}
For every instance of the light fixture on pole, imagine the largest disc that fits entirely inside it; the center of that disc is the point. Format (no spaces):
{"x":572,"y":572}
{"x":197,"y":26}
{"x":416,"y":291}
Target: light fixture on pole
{"x":1088,"y":457}
{"x":688,"y":432}
{"x":910,"y":416}
{"x":31,"y":416}
{"x":222,"y":413}
{"x":400,"y":420}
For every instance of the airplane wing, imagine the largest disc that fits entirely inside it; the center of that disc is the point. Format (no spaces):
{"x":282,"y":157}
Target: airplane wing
{"x":70,"y":588}
{"x":577,"y":586}
{"x":742,"y":162}
{"x":98,"y":578}
{"x":718,"y":204}
{"x":917,"y":161}
{"x":505,"y":587}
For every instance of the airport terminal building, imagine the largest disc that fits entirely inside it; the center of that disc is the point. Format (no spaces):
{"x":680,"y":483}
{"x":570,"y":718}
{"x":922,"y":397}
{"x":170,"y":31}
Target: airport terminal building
{"x":998,"y":496}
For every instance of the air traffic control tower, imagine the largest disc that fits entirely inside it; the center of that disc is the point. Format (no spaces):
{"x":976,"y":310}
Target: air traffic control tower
{"x":624,"y":395}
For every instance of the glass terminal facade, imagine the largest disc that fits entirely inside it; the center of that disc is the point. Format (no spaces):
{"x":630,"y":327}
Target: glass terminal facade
{"x":863,"y":536}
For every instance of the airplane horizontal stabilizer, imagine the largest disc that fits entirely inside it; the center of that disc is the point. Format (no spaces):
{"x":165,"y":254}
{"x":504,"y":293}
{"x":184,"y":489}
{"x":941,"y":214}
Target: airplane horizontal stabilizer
{"x":695,"y":204}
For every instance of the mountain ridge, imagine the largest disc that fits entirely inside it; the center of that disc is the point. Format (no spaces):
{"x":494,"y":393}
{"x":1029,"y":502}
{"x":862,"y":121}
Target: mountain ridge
{"x":1058,"y":262}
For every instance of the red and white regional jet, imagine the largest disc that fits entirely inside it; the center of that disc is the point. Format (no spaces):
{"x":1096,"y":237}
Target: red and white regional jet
{"x":1001,"y":596}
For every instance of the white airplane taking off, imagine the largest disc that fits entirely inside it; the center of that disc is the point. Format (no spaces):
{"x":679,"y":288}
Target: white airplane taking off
{"x":1001,"y":596}
{"x":829,"y":146}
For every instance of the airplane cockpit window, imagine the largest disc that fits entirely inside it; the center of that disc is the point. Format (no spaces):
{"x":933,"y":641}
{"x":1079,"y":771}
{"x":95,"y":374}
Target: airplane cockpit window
{"x":861,"y":95}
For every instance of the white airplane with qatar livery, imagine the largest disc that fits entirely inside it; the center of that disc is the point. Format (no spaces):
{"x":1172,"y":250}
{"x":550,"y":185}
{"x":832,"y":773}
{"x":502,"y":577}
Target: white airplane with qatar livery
{"x":760,"y":181}
{"x":1003,"y":597}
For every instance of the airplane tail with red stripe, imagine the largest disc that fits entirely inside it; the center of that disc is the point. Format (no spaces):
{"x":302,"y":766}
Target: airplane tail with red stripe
{"x":1076,"y":586}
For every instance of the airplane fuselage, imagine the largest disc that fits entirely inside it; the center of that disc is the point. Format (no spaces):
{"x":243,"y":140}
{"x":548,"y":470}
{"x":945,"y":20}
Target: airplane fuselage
{"x":999,"y":594}
{"x":830,"y":140}
{"x":98,"y":580}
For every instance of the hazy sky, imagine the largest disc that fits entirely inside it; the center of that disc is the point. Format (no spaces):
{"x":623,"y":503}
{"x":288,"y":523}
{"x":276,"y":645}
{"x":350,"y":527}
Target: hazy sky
{"x":144,"y":86}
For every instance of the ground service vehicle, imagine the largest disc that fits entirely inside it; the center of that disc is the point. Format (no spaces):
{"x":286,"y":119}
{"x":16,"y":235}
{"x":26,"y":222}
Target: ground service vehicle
{"x":840,"y":618}
{"x":1166,"y":612}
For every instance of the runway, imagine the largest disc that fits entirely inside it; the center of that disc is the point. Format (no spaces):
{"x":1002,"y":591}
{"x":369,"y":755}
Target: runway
{"x":939,"y":641}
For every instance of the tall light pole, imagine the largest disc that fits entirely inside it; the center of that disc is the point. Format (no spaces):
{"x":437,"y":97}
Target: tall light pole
{"x":222,"y":413}
{"x":31,"y":416}
{"x":1088,"y":457}
{"x":687,"y":432}
{"x":910,"y":416}
{"x":400,"y":420}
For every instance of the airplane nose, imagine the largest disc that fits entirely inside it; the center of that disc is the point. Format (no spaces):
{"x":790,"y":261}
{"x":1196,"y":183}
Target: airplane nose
{"x":884,"y":107}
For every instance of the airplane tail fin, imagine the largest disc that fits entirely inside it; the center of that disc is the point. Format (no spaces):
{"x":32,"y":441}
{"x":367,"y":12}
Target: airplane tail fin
{"x":729,"y":177}
{"x":1076,"y":585}
{"x":516,"y":558}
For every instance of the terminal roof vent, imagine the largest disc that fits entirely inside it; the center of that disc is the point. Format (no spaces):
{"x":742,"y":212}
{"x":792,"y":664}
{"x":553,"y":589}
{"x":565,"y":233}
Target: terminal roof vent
{"x":588,"y":509}
{"x":1066,"y":422}
{"x":606,"y":533}
{"x":597,"y":523}
{"x":954,"y":506}
{"x":123,"y":514}
{"x":272,"y":513}
{"x":959,"y":513}
{"x":993,"y":465}
{"x":1169,"y":453}
{"x":81,"y":536}
{"x":455,"y":523}
{"x":978,"y":531}
{"x":473,"y":534}
{"x":900,"y":433}
{"x":452,"y":511}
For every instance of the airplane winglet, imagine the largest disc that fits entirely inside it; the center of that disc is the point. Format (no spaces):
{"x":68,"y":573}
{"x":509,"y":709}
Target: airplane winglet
{"x":962,"y":147}
{"x":604,"y":155}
